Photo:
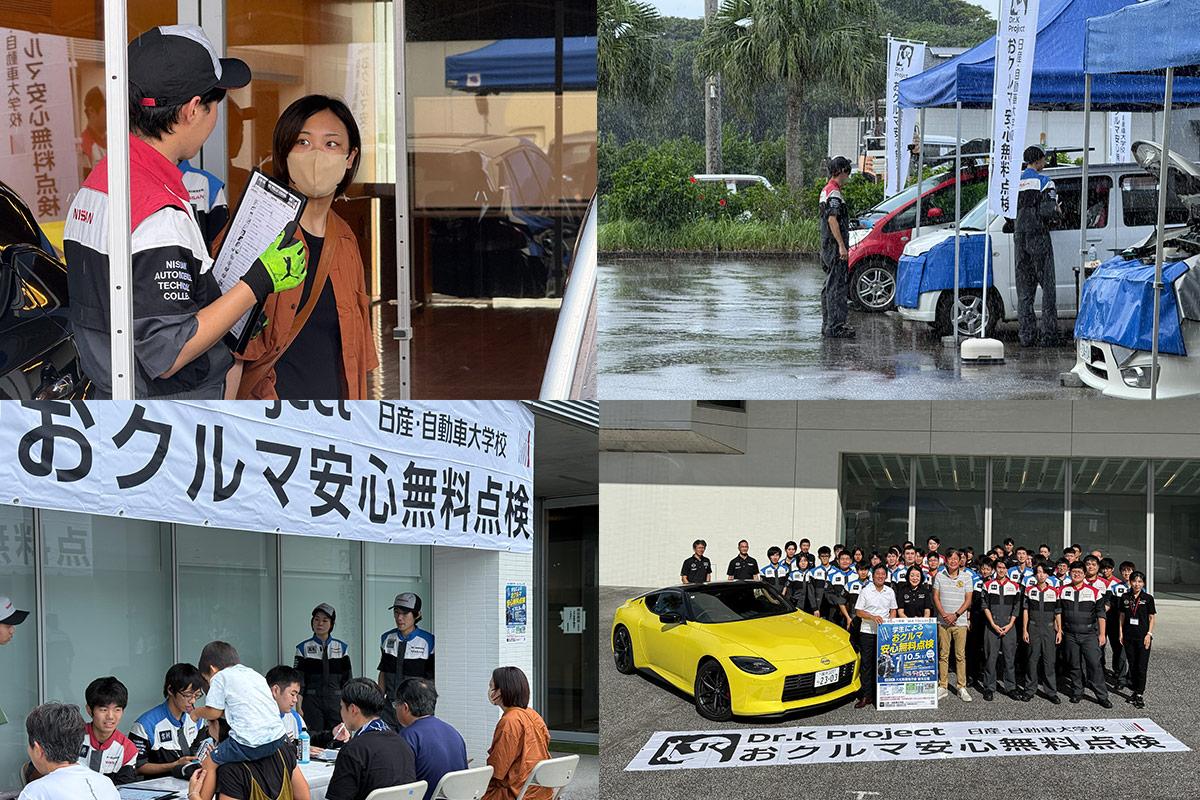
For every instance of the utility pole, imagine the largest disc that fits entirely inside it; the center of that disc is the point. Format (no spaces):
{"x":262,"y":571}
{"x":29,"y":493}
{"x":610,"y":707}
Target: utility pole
{"x":712,"y":107}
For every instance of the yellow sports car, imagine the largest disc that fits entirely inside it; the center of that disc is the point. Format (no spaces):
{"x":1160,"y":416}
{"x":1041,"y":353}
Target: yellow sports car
{"x":737,"y":647}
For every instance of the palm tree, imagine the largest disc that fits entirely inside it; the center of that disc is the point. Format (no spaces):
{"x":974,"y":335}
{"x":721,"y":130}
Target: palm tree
{"x":631,"y":56}
{"x":802,"y":44}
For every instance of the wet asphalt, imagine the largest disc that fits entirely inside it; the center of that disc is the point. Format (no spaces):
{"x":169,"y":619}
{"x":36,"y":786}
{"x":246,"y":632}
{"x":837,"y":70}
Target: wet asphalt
{"x":738,"y":328}
{"x":633,"y":707}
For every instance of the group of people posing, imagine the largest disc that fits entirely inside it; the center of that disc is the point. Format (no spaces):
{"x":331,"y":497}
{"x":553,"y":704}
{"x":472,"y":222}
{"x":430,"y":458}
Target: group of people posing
{"x":1011,"y":618}
{"x":242,"y":743}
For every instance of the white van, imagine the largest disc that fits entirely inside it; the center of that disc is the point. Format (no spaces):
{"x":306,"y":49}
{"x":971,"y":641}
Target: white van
{"x":1122,"y":207}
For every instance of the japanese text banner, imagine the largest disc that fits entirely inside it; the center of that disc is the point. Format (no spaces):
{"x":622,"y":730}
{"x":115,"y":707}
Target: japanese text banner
{"x":842,"y":744}
{"x":1016,"y":35}
{"x":904,"y":59}
{"x":451,"y":473}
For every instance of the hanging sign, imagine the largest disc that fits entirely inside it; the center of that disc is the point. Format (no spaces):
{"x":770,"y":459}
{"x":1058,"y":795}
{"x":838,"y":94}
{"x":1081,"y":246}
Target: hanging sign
{"x":904,"y":59}
{"x":1016,"y":35}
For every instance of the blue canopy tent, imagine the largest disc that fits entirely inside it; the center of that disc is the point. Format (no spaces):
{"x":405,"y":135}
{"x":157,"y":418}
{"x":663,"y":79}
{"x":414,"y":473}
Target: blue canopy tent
{"x":1166,"y":40}
{"x":516,"y":65}
{"x":1058,"y":78}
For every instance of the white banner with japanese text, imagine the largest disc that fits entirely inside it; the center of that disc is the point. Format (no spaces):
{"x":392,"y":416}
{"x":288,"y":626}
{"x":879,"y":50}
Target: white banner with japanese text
{"x":1120,"y":124}
{"x":449,"y":473}
{"x":38,"y":157}
{"x":842,"y":744}
{"x":904,"y":59}
{"x":1016,"y":35}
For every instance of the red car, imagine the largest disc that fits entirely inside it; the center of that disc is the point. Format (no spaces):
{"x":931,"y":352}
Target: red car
{"x":882,"y":232}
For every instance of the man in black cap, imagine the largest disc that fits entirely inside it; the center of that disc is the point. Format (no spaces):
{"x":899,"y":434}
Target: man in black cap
{"x":406,"y":651}
{"x":180,"y":315}
{"x":1037,"y":213}
{"x":324,"y":664}
{"x":835,"y":253}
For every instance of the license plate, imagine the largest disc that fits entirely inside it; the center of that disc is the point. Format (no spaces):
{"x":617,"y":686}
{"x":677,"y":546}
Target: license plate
{"x":826,"y":677}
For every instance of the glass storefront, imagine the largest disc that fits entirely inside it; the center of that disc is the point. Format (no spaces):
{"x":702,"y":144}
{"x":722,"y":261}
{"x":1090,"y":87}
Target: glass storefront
{"x":1177,"y":529}
{"x":129,"y":597}
{"x":950,"y":500}
{"x":875,"y":500}
{"x":1028,"y":500}
{"x":572,"y":621}
{"x":1108,"y":507}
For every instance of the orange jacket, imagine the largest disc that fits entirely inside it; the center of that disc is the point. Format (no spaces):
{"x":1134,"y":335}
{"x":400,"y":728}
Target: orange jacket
{"x":520,"y":742}
{"x":340,"y":263}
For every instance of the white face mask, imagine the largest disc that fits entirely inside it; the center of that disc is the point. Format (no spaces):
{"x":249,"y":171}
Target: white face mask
{"x":317,"y":173}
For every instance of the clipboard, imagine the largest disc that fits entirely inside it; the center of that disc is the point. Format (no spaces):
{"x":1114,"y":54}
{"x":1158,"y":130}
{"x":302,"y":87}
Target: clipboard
{"x":265,"y":209}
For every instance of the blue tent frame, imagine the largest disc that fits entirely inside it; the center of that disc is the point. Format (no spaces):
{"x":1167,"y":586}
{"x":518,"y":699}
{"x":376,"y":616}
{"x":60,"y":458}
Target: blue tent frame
{"x":523,"y":65}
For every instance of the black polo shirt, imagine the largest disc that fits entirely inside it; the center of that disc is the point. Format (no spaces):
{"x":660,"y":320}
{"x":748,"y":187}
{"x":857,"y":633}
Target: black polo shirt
{"x":1139,"y":609}
{"x":696,"y":570}
{"x":915,"y":600}
{"x":742,"y":569}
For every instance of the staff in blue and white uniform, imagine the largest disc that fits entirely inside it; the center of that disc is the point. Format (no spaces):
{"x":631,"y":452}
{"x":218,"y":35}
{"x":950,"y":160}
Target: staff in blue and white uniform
{"x":324,"y":666}
{"x":775,"y":572}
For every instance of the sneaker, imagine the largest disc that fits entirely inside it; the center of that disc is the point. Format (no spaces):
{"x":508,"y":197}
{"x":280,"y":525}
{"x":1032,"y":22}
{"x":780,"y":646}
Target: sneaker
{"x":1105,"y":703}
{"x":964,"y":695}
{"x":1076,"y":699}
{"x":1139,"y":702}
{"x":942,"y":693}
{"x":1054,"y":698}
{"x":989,"y":696}
{"x":845,"y":332}
{"x":1025,"y":697}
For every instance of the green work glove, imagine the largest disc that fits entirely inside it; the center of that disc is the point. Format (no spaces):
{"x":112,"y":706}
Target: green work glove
{"x":281,"y":266}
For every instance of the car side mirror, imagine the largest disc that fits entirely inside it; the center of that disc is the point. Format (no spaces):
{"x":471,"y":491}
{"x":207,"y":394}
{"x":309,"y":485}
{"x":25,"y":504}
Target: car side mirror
{"x":671,"y":618}
{"x":935,"y":213}
{"x":10,"y":286}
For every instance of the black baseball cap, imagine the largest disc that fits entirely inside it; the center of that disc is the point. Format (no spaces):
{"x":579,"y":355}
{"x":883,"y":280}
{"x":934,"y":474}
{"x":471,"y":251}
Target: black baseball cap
{"x":9,"y":614}
{"x":171,"y":64}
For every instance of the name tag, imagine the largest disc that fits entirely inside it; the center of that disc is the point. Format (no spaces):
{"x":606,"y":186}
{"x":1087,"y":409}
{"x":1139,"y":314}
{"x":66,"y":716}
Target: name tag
{"x":1135,"y":621}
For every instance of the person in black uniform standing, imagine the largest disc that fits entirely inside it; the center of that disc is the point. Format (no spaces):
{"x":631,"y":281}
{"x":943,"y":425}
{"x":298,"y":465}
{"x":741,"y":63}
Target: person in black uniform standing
{"x":324,"y":665}
{"x":697,"y":569}
{"x":1041,"y":629}
{"x":1137,"y":633}
{"x":1083,"y":627}
{"x":835,"y":253}
{"x":743,"y":567}
{"x":915,"y":596}
{"x":1037,"y":213}
{"x":1001,"y":610}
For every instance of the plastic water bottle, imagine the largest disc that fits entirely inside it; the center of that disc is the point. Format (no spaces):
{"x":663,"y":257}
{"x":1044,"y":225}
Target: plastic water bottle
{"x":1092,"y":252}
{"x":305,"y":742}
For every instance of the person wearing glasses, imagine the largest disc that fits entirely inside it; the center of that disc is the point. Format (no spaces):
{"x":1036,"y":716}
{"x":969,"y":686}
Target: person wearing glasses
{"x":166,"y":736}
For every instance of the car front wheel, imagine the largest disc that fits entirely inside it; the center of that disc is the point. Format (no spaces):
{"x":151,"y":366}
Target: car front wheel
{"x":623,"y":651}
{"x":873,"y":285}
{"x":712,"y":693}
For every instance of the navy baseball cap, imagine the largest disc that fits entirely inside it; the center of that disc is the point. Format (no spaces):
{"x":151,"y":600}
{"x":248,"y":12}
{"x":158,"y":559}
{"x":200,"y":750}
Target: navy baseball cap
{"x":171,"y":64}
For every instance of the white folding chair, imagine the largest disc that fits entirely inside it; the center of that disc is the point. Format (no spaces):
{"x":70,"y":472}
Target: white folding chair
{"x":465,"y":784}
{"x":409,"y":791}
{"x":553,"y":773}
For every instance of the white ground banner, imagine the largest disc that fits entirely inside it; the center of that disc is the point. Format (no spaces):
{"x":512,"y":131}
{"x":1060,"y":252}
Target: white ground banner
{"x":450,"y":473}
{"x":904,"y":59}
{"x":1016,"y":33}
{"x":1119,"y":125}
{"x":773,"y":747}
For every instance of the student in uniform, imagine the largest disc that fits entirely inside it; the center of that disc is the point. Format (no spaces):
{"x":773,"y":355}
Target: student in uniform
{"x":743,"y":567}
{"x":897,"y":572}
{"x":854,"y":587}
{"x":105,"y":749}
{"x":789,"y":554}
{"x":800,"y":585}
{"x":1041,"y":630}
{"x":836,"y":580}
{"x":1002,"y":611}
{"x":285,"y":688}
{"x":406,"y":651}
{"x":166,"y":736}
{"x":697,"y":569}
{"x":775,"y":572}
{"x":819,"y":578}
{"x":324,"y":665}
{"x":984,"y":571}
{"x":835,"y":226}
{"x":206,"y":193}
{"x":1137,"y":634}
{"x":1112,"y":612}
{"x":1083,"y":625}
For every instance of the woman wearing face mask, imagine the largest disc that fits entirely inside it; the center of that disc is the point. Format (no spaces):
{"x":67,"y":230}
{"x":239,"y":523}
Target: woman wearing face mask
{"x":317,"y":344}
{"x":521,"y":739}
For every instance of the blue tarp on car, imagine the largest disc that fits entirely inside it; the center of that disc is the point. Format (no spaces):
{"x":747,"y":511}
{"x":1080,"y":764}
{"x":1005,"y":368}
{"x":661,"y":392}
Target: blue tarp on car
{"x":523,"y":65}
{"x":933,"y":270}
{"x":1117,"y":306}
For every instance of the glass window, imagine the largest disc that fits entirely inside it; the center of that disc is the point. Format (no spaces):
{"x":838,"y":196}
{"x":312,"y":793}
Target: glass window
{"x":227,"y":591}
{"x":1099,"y":189}
{"x":1108,"y":507}
{"x":108,"y":605}
{"x":874,"y":500}
{"x":392,"y":569}
{"x":18,"y":658}
{"x":1139,"y":202}
{"x":950,"y":500}
{"x":319,"y":570}
{"x":572,"y":681}
{"x":1177,"y":529}
{"x":1028,"y":495}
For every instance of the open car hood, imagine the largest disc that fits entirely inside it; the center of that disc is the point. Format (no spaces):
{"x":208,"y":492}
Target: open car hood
{"x":1184,"y":175}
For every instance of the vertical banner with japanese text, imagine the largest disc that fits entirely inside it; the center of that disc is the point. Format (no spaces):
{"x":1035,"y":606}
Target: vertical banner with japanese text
{"x":451,"y":473}
{"x":904,"y":59}
{"x":906,"y":664}
{"x":1119,"y":144}
{"x":1016,"y":35}
{"x":38,"y":158}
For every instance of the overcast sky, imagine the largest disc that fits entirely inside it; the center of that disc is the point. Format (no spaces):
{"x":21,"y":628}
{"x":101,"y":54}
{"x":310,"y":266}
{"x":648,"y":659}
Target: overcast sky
{"x":695,"y":8}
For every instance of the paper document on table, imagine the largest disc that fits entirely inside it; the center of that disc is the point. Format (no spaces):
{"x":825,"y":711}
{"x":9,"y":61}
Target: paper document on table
{"x":265,"y":209}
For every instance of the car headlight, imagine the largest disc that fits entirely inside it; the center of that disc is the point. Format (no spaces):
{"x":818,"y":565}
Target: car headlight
{"x":753,"y":664}
{"x":1137,"y":377}
{"x":858,"y":235}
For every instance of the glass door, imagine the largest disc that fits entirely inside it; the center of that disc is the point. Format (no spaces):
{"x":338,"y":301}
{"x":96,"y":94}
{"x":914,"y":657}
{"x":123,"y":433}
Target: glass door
{"x":571,"y":678}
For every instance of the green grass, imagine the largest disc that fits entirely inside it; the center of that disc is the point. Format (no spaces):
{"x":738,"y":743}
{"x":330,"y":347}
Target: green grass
{"x":707,"y":236}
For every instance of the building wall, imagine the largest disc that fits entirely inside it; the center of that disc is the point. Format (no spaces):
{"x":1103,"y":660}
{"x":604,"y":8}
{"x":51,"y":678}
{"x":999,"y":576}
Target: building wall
{"x":468,"y":600}
{"x":784,"y":484}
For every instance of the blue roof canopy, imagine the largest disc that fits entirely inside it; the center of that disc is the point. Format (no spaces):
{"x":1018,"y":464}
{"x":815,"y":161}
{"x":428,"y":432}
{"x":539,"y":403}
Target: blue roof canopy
{"x":514,"y":65}
{"x":1058,"y":75}
{"x":1166,"y":36}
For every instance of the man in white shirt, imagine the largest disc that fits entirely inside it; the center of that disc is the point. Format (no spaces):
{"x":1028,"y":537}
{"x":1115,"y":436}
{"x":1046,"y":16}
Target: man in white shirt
{"x":876,"y":602}
{"x":55,"y":731}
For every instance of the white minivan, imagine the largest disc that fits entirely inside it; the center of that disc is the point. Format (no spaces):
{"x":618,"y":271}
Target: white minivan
{"x":1122,"y":202}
